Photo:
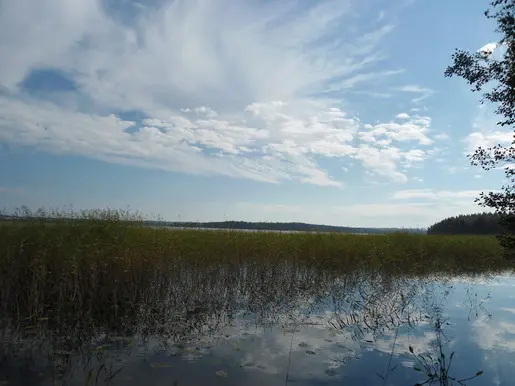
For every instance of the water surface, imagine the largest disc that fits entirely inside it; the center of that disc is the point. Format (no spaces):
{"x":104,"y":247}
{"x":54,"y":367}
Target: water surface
{"x":275,"y":325}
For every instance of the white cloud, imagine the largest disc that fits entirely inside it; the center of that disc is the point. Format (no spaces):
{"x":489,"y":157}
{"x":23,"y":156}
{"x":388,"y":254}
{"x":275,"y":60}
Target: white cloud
{"x":402,"y":116}
{"x":268,"y":142}
{"x":382,"y":162}
{"x":486,"y":140}
{"x":225,"y":87}
{"x":494,"y":51}
{"x":485,"y":134}
{"x":374,"y":94}
{"x":177,"y":144}
{"x":223,"y":55}
{"x":488,"y":48}
{"x":202,"y":110}
{"x":416,"y":89}
{"x":413,"y":129}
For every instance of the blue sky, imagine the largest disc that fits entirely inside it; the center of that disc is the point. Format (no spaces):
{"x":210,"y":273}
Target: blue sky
{"x":332,"y":112}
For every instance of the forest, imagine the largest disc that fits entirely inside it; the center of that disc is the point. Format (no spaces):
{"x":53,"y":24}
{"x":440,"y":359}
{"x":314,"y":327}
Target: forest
{"x":469,"y":224}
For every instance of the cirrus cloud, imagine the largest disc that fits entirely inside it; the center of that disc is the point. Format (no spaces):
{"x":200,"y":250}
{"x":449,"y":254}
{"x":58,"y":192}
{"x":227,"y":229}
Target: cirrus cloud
{"x":241,"y":89}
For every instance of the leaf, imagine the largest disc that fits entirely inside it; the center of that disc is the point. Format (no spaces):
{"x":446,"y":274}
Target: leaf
{"x":417,"y":369}
{"x":411,"y":349}
{"x":479,"y":373}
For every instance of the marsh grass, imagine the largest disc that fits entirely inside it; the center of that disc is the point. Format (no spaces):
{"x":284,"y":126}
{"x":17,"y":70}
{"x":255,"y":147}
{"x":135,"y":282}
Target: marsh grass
{"x":118,"y":243}
{"x":93,"y":253}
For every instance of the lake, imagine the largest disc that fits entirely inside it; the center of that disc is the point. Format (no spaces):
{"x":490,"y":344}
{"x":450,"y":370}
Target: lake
{"x":282,"y":324}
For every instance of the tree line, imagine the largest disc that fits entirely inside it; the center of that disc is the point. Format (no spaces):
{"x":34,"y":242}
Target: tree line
{"x":469,"y":224}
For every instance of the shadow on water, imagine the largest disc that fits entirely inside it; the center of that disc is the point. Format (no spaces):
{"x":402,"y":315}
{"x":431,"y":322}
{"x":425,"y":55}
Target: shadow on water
{"x":244,"y":324}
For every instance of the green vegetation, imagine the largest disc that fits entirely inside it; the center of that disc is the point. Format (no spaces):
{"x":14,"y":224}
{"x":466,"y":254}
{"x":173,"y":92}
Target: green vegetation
{"x":121,"y":242}
{"x":469,"y":224}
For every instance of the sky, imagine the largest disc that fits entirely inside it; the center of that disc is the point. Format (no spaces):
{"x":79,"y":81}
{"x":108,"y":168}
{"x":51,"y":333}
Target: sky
{"x":329,"y":111}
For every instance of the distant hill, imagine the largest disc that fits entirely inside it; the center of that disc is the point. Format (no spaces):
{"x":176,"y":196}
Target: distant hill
{"x":280,"y":226}
{"x":470,"y":224}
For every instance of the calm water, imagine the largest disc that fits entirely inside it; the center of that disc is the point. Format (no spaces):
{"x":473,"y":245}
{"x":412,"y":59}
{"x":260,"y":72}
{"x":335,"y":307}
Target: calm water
{"x":282,"y":325}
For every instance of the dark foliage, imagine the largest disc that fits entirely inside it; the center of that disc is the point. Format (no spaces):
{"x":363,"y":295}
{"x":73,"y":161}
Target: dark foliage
{"x":470,"y":224}
{"x":494,"y":76}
